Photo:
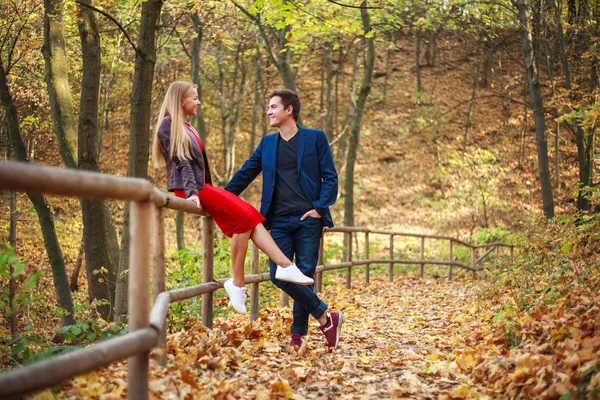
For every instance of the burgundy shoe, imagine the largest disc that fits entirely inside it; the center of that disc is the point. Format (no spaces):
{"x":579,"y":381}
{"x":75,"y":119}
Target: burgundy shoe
{"x":296,"y":340}
{"x":332,"y":329}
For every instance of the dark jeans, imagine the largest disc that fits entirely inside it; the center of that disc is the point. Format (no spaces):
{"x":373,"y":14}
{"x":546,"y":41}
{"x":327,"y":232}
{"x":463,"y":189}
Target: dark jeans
{"x":300,"y":240}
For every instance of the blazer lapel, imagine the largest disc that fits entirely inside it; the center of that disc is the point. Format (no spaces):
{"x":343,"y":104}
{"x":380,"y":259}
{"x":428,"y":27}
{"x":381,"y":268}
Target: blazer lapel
{"x":271,"y":151}
{"x":301,"y":145}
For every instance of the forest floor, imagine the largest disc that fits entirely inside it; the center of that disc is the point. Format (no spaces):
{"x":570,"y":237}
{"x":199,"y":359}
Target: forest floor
{"x":411,"y":338}
{"x":414,"y":338}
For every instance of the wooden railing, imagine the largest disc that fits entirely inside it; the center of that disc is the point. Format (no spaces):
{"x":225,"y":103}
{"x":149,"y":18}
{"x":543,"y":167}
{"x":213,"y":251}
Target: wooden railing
{"x":147,"y":329}
{"x":451,"y":261}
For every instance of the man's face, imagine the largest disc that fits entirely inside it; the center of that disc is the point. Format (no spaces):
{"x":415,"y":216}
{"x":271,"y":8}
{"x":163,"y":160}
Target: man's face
{"x":277,"y":114}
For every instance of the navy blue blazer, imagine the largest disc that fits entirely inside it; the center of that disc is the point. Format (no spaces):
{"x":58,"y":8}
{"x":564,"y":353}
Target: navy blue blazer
{"x":318,"y":177}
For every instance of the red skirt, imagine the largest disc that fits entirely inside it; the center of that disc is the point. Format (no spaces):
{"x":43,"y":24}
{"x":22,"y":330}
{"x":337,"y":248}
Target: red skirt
{"x":232,"y":214}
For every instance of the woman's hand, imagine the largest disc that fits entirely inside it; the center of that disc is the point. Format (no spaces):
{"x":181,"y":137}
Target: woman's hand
{"x":195,"y":199}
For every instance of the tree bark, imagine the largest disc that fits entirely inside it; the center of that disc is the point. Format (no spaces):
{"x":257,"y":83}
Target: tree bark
{"x":61,"y":101}
{"x":329,"y":109}
{"x":418,"y":58}
{"x":351,"y":110}
{"x":360,"y":106}
{"x":471,"y":103}
{"x":57,"y":263}
{"x":561,"y":48}
{"x":74,"y":285}
{"x":99,"y":235}
{"x":388,"y":71}
{"x":198,"y":121}
{"x":12,"y":284}
{"x":139,"y":144}
{"x":283,"y":59}
{"x":538,"y":109}
{"x":257,"y":99}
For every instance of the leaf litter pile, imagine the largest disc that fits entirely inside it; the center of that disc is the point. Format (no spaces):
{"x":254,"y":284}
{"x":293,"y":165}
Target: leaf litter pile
{"x":415,"y":338}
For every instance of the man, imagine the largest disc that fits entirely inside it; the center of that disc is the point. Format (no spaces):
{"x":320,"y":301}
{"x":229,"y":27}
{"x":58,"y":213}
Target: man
{"x":299,"y":185}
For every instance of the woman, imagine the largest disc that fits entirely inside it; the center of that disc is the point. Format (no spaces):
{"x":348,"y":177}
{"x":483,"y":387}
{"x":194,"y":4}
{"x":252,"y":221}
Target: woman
{"x":177,"y":144}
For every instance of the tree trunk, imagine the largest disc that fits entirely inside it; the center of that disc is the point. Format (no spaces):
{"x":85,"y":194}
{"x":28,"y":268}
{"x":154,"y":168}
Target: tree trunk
{"x":388,"y":72}
{"x":236,"y":99}
{"x":471,"y":104}
{"x":351,"y":110}
{"x":99,"y":235}
{"x":59,"y":273}
{"x":329,"y":109}
{"x":283,"y":59}
{"x":257,"y":99}
{"x":74,"y":285}
{"x":141,"y":97}
{"x":360,"y":106}
{"x":584,"y":143}
{"x":538,"y":109}
{"x":561,"y":48}
{"x":418,"y":58}
{"x":180,"y":229}
{"x":61,"y":101}
{"x":198,"y":121}
{"x":12,"y":284}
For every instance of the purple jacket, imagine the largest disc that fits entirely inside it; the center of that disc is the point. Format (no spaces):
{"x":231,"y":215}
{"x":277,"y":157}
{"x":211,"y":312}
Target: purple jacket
{"x":189,"y":175}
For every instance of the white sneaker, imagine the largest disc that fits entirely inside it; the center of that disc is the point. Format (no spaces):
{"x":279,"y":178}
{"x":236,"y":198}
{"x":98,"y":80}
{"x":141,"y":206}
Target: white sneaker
{"x":292,"y":274}
{"x":237,"y":296}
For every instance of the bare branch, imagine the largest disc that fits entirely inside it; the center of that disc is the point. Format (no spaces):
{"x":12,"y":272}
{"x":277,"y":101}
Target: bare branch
{"x":319,"y":18}
{"x":352,"y":6}
{"x":261,"y":29}
{"x":110,"y":17}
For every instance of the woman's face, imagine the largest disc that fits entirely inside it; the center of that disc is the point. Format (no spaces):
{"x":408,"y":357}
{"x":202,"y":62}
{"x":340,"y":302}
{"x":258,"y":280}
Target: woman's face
{"x":190,"y":103}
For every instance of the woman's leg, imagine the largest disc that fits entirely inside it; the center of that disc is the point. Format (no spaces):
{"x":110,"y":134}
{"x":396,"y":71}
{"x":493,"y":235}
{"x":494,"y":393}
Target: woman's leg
{"x":263,"y":240}
{"x":239,"y":246}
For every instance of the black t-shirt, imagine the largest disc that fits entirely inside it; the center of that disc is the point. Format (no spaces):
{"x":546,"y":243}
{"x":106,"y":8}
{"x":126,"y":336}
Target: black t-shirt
{"x":288,"y":196}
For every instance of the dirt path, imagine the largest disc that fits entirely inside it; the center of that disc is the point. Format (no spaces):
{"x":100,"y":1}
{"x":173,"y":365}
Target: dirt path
{"x":400,"y":340}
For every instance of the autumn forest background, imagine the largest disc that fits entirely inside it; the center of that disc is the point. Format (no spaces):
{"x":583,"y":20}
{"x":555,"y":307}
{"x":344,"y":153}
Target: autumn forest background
{"x":475,"y":120}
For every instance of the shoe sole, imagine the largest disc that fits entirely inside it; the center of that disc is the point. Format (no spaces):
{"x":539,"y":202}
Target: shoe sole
{"x":297,"y":283}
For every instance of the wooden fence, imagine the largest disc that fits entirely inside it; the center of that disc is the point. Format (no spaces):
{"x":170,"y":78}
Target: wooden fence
{"x":147,"y":329}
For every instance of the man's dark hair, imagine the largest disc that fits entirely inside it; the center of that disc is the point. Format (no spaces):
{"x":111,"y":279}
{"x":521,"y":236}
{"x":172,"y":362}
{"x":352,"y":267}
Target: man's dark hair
{"x":288,"y":98}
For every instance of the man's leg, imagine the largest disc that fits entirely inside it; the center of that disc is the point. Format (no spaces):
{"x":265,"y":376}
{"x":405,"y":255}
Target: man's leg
{"x":306,"y":242}
{"x":283,"y":231}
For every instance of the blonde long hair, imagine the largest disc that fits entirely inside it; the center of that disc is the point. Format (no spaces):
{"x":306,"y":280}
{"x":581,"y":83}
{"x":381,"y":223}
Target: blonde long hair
{"x":181,"y":145}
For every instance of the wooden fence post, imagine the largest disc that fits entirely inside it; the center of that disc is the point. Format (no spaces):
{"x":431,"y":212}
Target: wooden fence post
{"x":473,"y":259}
{"x":158,"y":257}
{"x":349,"y":259}
{"x":422,"y":256}
{"x":254,"y":286}
{"x":208,"y":236}
{"x":391,"y":268}
{"x":285,"y":299}
{"x":497,"y":254}
{"x":367,"y":265}
{"x":451,"y":259}
{"x":139,"y":291}
{"x":319,"y":275}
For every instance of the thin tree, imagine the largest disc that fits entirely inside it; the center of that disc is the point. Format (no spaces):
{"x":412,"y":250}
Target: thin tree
{"x":139,"y":144}
{"x":99,"y":236}
{"x":55,"y":256}
{"x":538,"y":108}
{"x":360,"y":106}
{"x":100,"y":241}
